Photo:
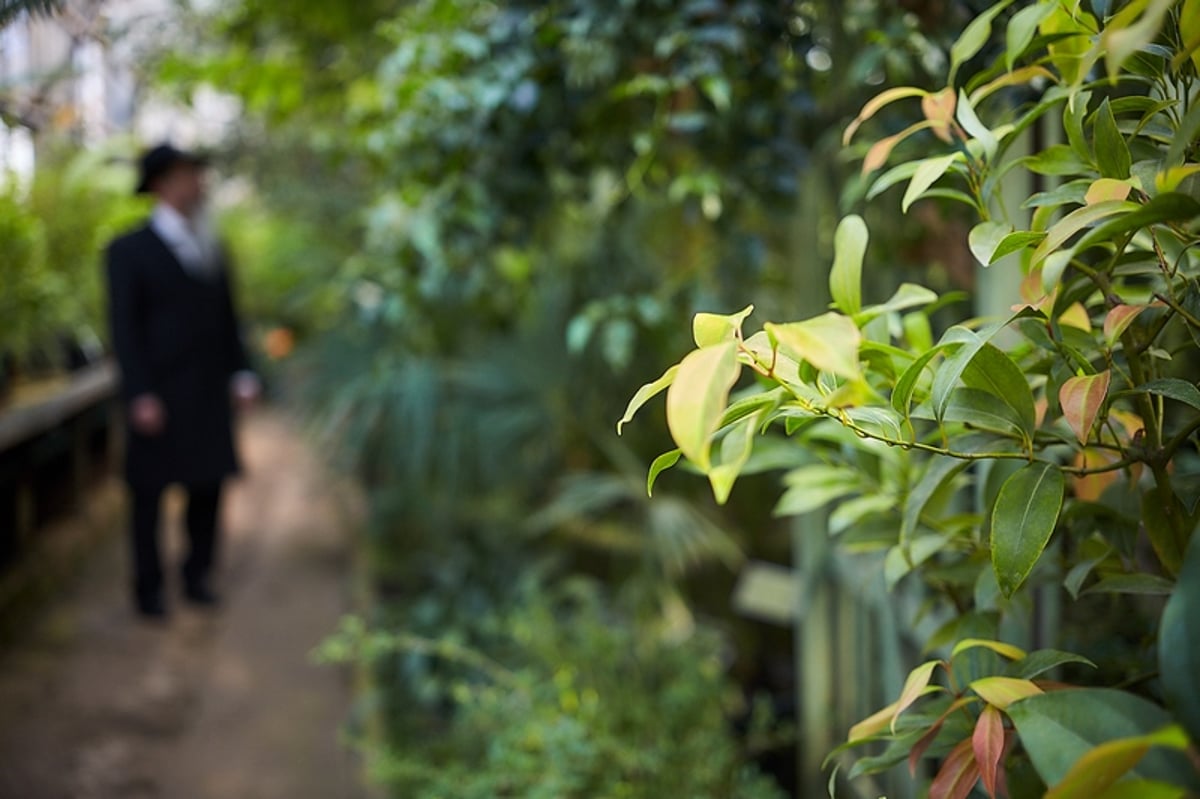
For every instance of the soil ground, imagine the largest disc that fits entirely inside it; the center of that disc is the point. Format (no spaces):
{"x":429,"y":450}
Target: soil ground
{"x":96,"y":704}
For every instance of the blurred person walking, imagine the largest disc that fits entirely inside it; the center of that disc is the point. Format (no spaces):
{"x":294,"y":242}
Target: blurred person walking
{"x":180,"y":355}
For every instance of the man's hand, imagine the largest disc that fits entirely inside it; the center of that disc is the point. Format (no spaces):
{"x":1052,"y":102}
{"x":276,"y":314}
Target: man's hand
{"x":147,"y":415}
{"x":247,"y":389}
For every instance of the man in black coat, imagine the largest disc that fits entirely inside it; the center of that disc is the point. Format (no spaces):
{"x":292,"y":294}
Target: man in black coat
{"x":176,"y":339}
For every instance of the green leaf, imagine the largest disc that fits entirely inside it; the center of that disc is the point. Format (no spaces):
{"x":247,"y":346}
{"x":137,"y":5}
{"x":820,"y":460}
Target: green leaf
{"x":985,"y":237}
{"x":1059,"y":727}
{"x":645,"y":393}
{"x":735,"y":452}
{"x":937,"y":474}
{"x":1173,"y":388}
{"x":1143,"y":584}
{"x":697,"y":399}
{"x":1081,"y":399}
{"x":1101,"y":767}
{"x":991,"y":370}
{"x":1119,"y":42}
{"x":969,"y":344}
{"x":1178,"y":649}
{"x":829,"y":342}
{"x":973,"y":38}
{"x":1057,"y":159}
{"x":971,"y":124}
{"x":845,"y":279}
{"x":709,"y":328}
{"x":999,"y":647}
{"x":812,"y":487}
{"x":909,"y":295}
{"x":914,"y":688}
{"x":927,"y":173}
{"x":1015,"y":241}
{"x":982,"y":410}
{"x":1168,"y":207}
{"x":1003,"y":691}
{"x":658,"y":466}
{"x":1038,"y":663}
{"x":850,"y":513}
{"x":906,"y":386}
{"x":1024,"y":517}
{"x":1021,"y":30}
{"x":1112,"y":152}
{"x":1077,"y":220}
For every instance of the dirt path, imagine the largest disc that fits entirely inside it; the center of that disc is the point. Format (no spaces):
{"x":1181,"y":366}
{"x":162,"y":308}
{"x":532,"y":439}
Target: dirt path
{"x":96,"y":705}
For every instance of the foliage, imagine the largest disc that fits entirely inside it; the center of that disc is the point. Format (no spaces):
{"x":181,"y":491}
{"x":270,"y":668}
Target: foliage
{"x":570,"y":700}
{"x":1043,"y":456}
{"x":54,"y":232}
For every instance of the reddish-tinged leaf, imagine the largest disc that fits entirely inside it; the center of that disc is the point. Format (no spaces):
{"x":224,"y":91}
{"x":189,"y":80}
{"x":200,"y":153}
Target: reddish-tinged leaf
{"x":958,"y":774}
{"x":1081,"y":399}
{"x":939,"y":109}
{"x":1106,"y":189}
{"x":918,"y":750}
{"x":1121,"y":317}
{"x":877,"y":102}
{"x":988,"y":745}
{"x":914,"y":687}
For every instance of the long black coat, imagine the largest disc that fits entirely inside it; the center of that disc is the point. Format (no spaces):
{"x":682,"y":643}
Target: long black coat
{"x":175,"y":335}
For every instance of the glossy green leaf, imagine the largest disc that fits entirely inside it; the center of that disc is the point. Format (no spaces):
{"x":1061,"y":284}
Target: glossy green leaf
{"x":1179,"y":643}
{"x":1059,"y":727}
{"x":1169,"y":207}
{"x":909,"y":295}
{"x":1108,"y":762}
{"x":975,"y":128}
{"x":1143,"y":584}
{"x":926,"y":174}
{"x":1074,"y":222}
{"x":973,"y":38}
{"x":985,"y":237}
{"x":1112,"y":152}
{"x":991,"y":370}
{"x":736,"y":447}
{"x":1021,"y":30}
{"x":1038,"y":663}
{"x":829,"y":342}
{"x":1057,"y":159}
{"x":1173,"y":388}
{"x":646,"y":393}
{"x":937,"y":474}
{"x":709,"y":328}
{"x":659,"y":465}
{"x":982,"y":410}
{"x":1014,"y":242}
{"x":697,"y":399}
{"x":849,"y":248}
{"x":902,"y":394}
{"x":1023,"y":518}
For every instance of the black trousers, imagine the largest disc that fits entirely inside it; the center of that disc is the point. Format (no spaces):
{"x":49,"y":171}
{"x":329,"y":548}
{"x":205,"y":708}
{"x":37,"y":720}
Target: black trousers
{"x":203,"y":507}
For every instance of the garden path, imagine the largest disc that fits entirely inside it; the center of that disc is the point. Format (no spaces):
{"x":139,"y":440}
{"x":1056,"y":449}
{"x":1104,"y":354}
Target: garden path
{"x":97,"y":705}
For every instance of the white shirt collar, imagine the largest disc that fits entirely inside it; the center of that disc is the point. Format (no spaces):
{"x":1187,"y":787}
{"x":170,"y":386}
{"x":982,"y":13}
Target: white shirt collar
{"x":187,"y":239}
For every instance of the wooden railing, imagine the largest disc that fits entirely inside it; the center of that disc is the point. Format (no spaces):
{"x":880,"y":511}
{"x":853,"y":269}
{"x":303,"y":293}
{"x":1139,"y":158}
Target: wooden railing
{"x":53,"y":439}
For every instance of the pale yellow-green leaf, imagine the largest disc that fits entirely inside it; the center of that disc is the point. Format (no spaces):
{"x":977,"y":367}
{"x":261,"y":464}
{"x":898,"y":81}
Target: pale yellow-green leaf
{"x":711,"y":328}
{"x":829,"y":342}
{"x":645,"y":393}
{"x":1003,"y":691}
{"x":849,"y":248}
{"x":928,"y":173}
{"x":697,"y":399}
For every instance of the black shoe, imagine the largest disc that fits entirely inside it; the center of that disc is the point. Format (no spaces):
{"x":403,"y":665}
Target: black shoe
{"x":151,"y":608}
{"x":201,"y":596}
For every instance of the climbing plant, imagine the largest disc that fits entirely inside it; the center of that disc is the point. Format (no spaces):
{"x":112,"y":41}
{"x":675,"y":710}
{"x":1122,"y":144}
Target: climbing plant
{"x":1010,"y":465}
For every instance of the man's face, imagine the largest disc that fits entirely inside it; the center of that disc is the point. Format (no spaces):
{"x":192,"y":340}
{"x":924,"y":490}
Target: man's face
{"x":183,"y":187}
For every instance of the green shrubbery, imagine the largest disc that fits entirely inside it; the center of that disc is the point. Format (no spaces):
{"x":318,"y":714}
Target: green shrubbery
{"x":52,"y":233}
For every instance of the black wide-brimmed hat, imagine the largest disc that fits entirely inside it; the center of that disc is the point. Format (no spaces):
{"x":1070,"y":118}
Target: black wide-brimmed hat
{"x":158,"y":161}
